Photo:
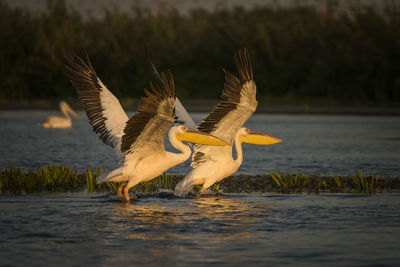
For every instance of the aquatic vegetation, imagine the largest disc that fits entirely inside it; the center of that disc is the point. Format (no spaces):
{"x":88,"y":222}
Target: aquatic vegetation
{"x":358,"y":183}
{"x":313,"y":183}
{"x":90,"y":181}
{"x":93,"y":186}
{"x":48,"y":179}
{"x":287,"y":183}
{"x":16,"y":180}
{"x":365,"y":184}
{"x":215,"y":187}
{"x":297,"y":183}
{"x":164,"y":181}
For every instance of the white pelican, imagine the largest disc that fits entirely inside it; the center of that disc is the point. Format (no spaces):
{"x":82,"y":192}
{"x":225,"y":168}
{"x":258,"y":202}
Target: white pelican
{"x":139,"y":139}
{"x":238,"y":102}
{"x":60,"y":122}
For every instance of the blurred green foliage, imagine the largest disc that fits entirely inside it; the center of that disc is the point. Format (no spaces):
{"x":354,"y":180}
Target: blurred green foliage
{"x":298,"y":52}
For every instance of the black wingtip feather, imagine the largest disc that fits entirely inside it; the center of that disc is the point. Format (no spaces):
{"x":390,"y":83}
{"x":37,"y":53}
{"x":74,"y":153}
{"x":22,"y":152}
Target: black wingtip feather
{"x":162,"y":90}
{"x":231,"y":93}
{"x":84,"y":79}
{"x":243,"y":65}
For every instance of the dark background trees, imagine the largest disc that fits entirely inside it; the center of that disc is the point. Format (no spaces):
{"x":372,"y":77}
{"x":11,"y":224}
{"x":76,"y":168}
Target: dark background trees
{"x":298,"y":52}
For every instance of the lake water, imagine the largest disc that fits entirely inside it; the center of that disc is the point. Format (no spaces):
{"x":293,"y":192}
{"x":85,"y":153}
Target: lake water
{"x":235,"y":229}
{"x":343,"y":145}
{"x":79,"y":229}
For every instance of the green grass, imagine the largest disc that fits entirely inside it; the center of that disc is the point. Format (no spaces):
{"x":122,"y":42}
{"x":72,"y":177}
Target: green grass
{"x":15,"y":180}
{"x":358,"y":183}
{"x":314,"y":183}
{"x":54,"y":178}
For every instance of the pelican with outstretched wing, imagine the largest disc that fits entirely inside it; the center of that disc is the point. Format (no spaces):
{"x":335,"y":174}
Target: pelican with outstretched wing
{"x":140,"y":139}
{"x":238,"y":102}
{"x":60,"y":122}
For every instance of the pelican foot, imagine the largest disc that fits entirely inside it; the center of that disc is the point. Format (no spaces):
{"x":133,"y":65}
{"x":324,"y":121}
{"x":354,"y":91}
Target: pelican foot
{"x":126,"y":196}
{"x":120,"y":189}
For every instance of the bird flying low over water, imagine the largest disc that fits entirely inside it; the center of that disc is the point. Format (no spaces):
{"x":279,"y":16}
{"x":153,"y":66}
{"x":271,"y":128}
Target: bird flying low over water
{"x":140,"y":139}
{"x":60,"y":122}
{"x":238,"y":102}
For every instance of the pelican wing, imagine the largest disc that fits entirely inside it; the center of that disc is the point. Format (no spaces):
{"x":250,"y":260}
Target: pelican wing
{"x":145,"y":131}
{"x":182,"y":117}
{"x":203,"y":154}
{"x":103,"y":109}
{"x":238,"y":102}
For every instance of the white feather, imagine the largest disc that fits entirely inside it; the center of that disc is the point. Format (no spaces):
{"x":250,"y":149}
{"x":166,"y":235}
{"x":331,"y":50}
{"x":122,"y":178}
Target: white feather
{"x":182,"y":116}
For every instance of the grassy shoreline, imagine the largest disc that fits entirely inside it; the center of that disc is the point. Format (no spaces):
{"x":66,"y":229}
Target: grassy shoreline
{"x":15,"y":180}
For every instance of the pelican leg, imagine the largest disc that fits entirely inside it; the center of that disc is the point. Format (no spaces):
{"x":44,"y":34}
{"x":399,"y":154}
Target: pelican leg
{"x":203,"y":190}
{"x":205,"y":186}
{"x":126,"y":193}
{"x":128,"y":186}
{"x":121,"y":185}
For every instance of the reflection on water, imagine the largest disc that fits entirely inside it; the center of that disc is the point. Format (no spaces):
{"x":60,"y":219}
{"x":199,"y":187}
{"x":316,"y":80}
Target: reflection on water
{"x":309,"y":230}
{"x":226,"y":215}
{"x":332,"y":145}
{"x":177,"y":230}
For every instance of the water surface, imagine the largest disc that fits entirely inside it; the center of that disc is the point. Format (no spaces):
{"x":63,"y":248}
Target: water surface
{"x":161,"y":230}
{"x":80,"y":229}
{"x":330,"y":145}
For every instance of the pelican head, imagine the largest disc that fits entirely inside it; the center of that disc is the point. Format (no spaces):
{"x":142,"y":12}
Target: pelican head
{"x":251,"y":137}
{"x":66,"y":108}
{"x":183,"y":133}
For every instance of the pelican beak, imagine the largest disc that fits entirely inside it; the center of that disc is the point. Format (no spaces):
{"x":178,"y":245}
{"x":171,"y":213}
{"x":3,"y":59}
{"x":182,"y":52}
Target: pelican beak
{"x":257,"y":138}
{"x":197,"y":137}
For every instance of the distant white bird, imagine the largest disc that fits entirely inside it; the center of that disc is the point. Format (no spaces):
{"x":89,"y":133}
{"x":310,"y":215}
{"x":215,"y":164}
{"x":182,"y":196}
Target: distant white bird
{"x":140,"y":139}
{"x":60,"y":122}
{"x":238,"y":103}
